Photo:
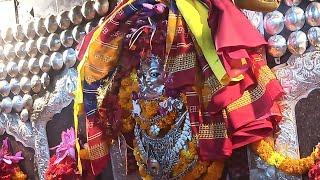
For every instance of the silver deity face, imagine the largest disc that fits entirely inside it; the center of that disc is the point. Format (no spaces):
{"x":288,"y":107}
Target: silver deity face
{"x":151,"y":77}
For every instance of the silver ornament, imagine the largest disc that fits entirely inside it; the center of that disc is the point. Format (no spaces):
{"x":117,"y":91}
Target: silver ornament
{"x":101,"y":6}
{"x":28,"y":101}
{"x":33,"y":66}
{"x":7,"y":35}
{"x":29,"y":30}
{"x":294,"y":18}
{"x":8,"y":52}
{"x":273,"y":22}
{"x":69,"y":57}
{"x":31,"y":47}
{"x":63,"y":20}
{"x":23,"y":67}
{"x":24,"y":115}
{"x":6,"y":105}
{"x":54,"y":42}
{"x":14,"y":86}
{"x":153,"y":166}
{"x":12,"y":69}
{"x":17,"y":103}
{"x":20,"y":49}
{"x":25,"y":84}
{"x":56,"y":61}
{"x":297,"y":42}
{"x":40,"y":27}
{"x":45,"y":80}
{"x":4,"y":88}
{"x":75,"y":15}
{"x":42,"y":45}
{"x":78,"y":33}
{"x":51,"y":24}
{"x":35,"y":84}
{"x":3,"y":71}
{"x":66,"y":38}
{"x":44,"y":63}
{"x":292,"y":2}
{"x":277,"y":46}
{"x":314,"y":36}
{"x":18,"y":32}
{"x":89,"y":26}
{"x":88,"y":10}
{"x":313,"y":14}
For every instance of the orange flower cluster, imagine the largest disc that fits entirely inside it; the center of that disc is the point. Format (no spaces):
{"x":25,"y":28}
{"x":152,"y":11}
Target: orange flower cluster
{"x":18,"y":174}
{"x":197,"y":171}
{"x":128,"y":85}
{"x":163,"y":123}
{"x":186,"y":158}
{"x":286,"y":164}
{"x":149,"y":108}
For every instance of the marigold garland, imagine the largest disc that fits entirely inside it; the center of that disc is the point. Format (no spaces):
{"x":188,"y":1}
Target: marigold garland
{"x":128,"y":85}
{"x":164,"y":122}
{"x":286,"y":164}
{"x":186,"y":158}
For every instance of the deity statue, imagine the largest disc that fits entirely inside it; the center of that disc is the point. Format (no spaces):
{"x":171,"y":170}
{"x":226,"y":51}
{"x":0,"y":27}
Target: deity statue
{"x":157,"y":145}
{"x":182,"y":96}
{"x":151,"y":78}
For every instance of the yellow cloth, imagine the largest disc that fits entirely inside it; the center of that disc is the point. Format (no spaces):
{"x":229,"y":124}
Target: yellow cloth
{"x":196,"y":15}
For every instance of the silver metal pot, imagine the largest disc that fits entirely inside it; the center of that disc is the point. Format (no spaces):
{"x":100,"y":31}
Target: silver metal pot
{"x":18,"y":32}
{"x":28,"y":101}
{"x":31,"y":48}
{"x":51,"y":24}
{"x":33,"y":65}
{"x":69,"y":57}
{"x":12,"y":69}
{"x":8,"y":52}
{"x":56,"y":61}
{"x":63,"y":20}
{"x":7,"y":35}
{"x":75,"y":15}
{"x":45,"y":80}
{"x":54,"y":42}
{"x":88,"y":10}
{"x":17,"y":103}
{"x":89,"y":26}
{"x":25,"y":84}
{"x":101,"y":6}
{"x":44,"y":63}
{"x":20,"y":49}
{"x":42,"y":45}
{"x":23,"y":67}
{"x":15,"y":87}
{"x":35,"y":84}
{"x":66,"y":38}
{"x":40,"y":28}
{"x":29,"y":30}
{"x":78,"y":33}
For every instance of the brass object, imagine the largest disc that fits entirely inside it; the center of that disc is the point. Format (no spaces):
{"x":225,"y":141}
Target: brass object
{"x":258,"y":5}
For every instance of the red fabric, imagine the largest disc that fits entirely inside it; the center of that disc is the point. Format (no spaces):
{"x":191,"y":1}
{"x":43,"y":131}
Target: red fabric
{"x":95,"y":137}
{"x":314,"y":172}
